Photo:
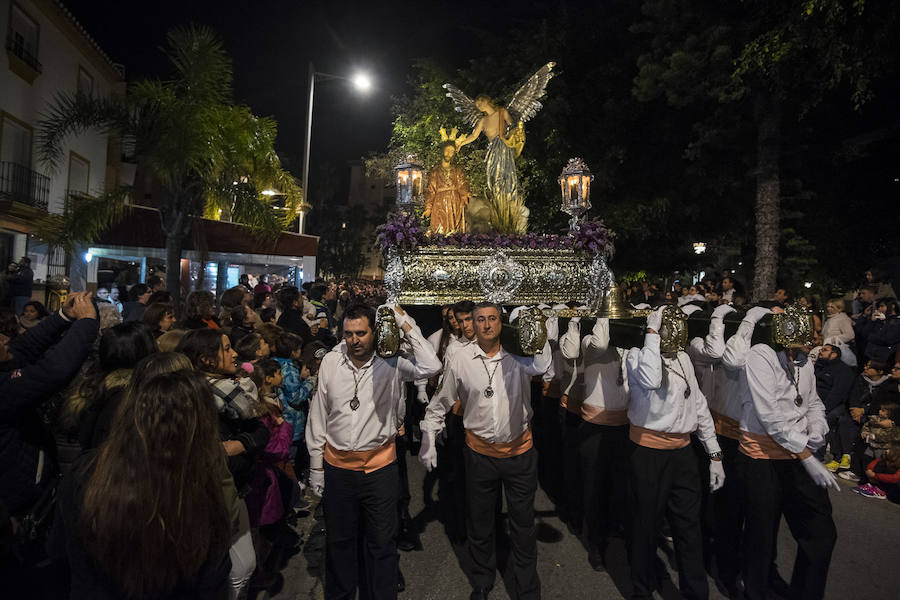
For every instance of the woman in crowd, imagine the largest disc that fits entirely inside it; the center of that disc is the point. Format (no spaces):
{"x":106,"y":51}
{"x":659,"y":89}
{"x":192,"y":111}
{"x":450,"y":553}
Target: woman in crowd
{"x":243,"y":435}
{"x":200,"y":311}
{"x":161,"y":499}
{"x":838,"y":326}
{"x":96,"y":398}
{"x":32,"y":314}
{"x":159,"y":318}
{"x":241,"y":323}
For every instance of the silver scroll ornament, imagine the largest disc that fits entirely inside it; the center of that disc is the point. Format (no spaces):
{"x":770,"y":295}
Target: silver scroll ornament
{"x":393,"y":276}
{"x":599,"y":283}
{"x":500,"y":277}
{"x":387,"y":333}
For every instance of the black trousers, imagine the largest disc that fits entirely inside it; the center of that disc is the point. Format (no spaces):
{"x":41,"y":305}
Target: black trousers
{"x":452,"y":473}
{"x":571,"y":466}
{"x":604,"y":451}
{"x":728,"y":514}
{"x":518,"y":475}
{"x":842,"y":432}
{"x":666,"y":483}
{"x":361,"y":526}
{"x":401,"y":445}
{"x":772,"y":488}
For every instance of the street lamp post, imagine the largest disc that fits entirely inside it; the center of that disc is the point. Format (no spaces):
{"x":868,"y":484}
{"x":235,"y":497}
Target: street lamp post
{"x":360,"y":81}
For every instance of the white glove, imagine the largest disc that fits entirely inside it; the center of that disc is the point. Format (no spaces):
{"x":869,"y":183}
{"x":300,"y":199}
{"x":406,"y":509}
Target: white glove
{"x":721,"y":310}
{"x":401,"y":319}
{"x":716,"y":475}
{"x":422,"y":396}
{"x":654,"y":319}
{"x":427,"y":451}
{"x":552,"y":325}
{"x":819,"y":474}
{"x":755,"y":314}
{"x":317,"y":481}
{"x":514,"y":313}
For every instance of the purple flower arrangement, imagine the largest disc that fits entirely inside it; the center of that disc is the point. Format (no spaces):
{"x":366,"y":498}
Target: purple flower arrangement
{"x":405,"y":232}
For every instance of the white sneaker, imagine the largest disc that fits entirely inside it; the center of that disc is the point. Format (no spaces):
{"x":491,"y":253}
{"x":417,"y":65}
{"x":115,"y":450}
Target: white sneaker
{"x":848,"y":475}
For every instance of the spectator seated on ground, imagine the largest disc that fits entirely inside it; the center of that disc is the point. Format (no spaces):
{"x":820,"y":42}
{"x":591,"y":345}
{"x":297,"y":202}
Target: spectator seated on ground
{"x":883,"y":475}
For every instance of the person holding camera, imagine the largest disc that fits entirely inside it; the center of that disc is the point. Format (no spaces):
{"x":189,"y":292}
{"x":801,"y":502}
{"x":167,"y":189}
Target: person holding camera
{"x":20,"y":279}
{"x":33,"y":366}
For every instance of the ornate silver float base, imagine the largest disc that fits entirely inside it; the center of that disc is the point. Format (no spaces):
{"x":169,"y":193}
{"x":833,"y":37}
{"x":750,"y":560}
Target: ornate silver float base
{"x":434,"y":275}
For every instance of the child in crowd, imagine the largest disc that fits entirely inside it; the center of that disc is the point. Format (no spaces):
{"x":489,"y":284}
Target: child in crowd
{"x":295,"y":390}
{"x":884,"y":476}
{"x":862,"y":406}
{"x":881,"y":431}
{"x":251,"y":349}
{"x":269,"y":493}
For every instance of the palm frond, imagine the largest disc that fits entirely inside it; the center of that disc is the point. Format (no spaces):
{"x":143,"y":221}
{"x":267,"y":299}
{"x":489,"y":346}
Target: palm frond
{"x":84,"y":218}
{"x":74,"y":113}
{"x":203,"y":68}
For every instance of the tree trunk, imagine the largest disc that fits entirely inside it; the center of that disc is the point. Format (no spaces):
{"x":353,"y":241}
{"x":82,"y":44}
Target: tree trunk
{"x":768,"y":194}
{"x":175,"y":223}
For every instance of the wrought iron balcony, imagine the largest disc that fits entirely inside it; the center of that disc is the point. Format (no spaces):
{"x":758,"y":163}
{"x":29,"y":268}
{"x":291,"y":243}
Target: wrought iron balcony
{"x":20,"y":184}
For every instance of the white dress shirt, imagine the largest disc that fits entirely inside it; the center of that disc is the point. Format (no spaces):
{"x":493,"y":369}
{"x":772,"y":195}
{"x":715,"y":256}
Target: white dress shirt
{"x":600,"y":365}
{"x":504,"y":416}
{"x":657,"y":394}
{"x":378,"y":385}
{"x":706,"y":354}
{"x":735,"y":392}
{"x":772,"y":409}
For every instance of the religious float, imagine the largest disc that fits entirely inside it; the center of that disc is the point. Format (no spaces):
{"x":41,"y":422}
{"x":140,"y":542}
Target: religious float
{"x":439,"y":250}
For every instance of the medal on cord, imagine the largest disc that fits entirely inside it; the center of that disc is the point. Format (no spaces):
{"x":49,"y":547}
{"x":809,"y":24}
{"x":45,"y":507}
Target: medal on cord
{"x":354,"y":404}
{"x":796,"y":381}
{"x":687,"y":390}
{"x":489,"y":390}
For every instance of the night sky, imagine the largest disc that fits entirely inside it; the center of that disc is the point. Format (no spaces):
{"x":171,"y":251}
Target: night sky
{"x":272,"y":42}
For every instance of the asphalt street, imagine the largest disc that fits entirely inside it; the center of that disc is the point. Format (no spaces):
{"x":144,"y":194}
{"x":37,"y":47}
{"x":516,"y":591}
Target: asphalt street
{"x":865,"y":564}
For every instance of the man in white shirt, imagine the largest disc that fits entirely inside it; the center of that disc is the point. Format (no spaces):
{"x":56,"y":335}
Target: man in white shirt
{"x":603,"y":445}
{"x":494,"y":388}
{"x":354,"y":417}
{"x":666,"y":407}
{"x":782,"y":425}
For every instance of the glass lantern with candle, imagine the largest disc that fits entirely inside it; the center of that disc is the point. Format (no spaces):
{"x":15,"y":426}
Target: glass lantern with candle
{"x":409,"y":176}
{"x":575,"y":185}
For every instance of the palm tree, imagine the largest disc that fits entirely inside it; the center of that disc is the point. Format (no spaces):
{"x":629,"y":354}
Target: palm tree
{"x":211,"y":157}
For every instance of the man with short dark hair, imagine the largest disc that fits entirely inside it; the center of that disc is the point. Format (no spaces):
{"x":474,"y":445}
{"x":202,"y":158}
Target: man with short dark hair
{"x":782,"y":297}
{"x":156,"y":283}
{"x":834,"y":380}
{"x":138,"y":296}
{"x":494,"y":388}
{"x":354,"y":417}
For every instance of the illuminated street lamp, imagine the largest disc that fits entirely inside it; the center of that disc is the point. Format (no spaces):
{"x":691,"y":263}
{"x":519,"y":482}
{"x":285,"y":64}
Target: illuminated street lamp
{"x":361,"y":81}
{"x":575,"y":186}
{"x":699,"y":247}
{"x":409,"y":178}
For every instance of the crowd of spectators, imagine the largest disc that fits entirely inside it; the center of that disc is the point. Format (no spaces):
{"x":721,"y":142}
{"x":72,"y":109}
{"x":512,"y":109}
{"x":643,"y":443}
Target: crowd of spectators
{"x":187,"y":420}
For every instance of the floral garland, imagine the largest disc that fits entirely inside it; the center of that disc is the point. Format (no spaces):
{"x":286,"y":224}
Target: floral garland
{"x":405,"y":232}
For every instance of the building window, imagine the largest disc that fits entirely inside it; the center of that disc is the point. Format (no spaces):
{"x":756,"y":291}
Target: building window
{"x":22,"y":43}
{"x":79,"y":175}
{"x":85,"y":82}
{"x":15,"y":141}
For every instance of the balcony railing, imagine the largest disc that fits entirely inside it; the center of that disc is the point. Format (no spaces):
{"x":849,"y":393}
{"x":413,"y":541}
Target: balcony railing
{"x":20,"y":184}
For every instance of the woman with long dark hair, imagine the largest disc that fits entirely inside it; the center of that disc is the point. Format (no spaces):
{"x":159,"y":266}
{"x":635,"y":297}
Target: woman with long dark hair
{"x":144,"y":516}
{"x":96,"y":396}
{"x":243,"y":436}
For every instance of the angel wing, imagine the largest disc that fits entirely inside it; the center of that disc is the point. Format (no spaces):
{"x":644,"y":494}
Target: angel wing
{"x":464,"y":104}
{"x":524,"y":104}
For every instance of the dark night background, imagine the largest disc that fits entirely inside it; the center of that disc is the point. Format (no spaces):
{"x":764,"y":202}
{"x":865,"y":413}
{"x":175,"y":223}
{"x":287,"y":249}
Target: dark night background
{"x":666,"y":172}
{"x":271,"y":43}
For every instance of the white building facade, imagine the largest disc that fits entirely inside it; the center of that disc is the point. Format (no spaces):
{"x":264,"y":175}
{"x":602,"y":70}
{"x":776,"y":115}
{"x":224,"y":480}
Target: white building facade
{"x":47,"y":52}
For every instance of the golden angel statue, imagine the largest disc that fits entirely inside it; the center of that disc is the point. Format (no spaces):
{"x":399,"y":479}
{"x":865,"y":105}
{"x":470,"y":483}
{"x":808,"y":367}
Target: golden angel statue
{"x":504,"y":129}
